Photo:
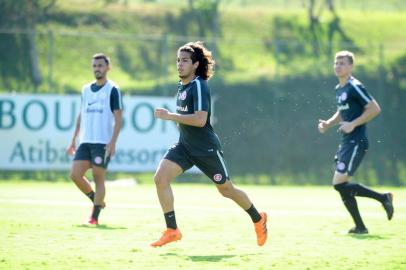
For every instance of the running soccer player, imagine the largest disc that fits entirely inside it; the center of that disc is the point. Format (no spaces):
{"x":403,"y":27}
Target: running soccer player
{"x":97,"y":128}
{"x":198,"y":143}
{"x":355,"y":107}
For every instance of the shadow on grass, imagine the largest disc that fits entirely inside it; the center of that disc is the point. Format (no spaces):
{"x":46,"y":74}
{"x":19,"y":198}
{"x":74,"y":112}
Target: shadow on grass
{"x":368,"y":236}
{"x":209,"y":258}
{"x":206,"y":258}
{"x":101,"y":227}
{"x":170,"y":254}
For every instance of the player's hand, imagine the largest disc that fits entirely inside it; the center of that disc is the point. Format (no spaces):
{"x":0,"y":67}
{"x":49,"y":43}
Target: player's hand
{"x":346,"y":127}
{"x":71,"y":149}
{"x":162,"y":113}
{"x":110,"y":149}
{"x":323,"y":126}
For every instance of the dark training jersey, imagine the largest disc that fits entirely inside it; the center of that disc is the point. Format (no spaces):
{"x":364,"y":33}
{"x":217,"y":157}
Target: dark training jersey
{"x":351,"y":100}
{"x":192,"y":97}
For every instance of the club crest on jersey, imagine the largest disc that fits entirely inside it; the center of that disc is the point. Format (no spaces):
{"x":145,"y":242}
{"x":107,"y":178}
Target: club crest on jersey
{"x":217,"y":177}
{"x":98,"y":160}
{"x":341,"y":166}
{"x":343,"y":96}
{"x":182,"y":96}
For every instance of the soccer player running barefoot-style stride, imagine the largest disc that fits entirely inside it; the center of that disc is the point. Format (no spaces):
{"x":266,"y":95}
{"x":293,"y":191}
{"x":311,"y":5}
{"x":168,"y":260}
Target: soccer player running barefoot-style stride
{"x":198,"y":143}
{"x":355,"y":107}
{"x":97,"y":127}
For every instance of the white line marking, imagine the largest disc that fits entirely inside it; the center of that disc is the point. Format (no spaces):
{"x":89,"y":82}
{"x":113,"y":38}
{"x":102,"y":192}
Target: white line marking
{"x":299,"y":212}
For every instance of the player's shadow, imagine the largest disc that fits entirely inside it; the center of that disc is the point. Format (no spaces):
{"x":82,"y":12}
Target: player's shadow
{"x":209,"y":258}
{"x":368,"y":236}
{"x":101,"y":227}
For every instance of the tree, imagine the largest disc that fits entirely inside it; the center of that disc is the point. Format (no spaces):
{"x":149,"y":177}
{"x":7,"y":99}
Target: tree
{"x":315,"y":10}
{"x":23,"y":16}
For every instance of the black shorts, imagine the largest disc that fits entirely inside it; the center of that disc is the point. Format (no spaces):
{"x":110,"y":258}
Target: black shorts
{"x":213,"y":166}
{"x":350,"y":155}
{"x":93,"y":152}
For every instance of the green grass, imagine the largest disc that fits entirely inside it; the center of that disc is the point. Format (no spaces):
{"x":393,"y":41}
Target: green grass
{"x":41,"y":228}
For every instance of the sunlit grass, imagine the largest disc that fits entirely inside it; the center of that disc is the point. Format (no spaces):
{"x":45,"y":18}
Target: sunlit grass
{"x":41,"y":228}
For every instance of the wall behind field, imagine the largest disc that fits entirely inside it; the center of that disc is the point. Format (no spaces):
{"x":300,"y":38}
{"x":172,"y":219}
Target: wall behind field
{"x":269,"y":131}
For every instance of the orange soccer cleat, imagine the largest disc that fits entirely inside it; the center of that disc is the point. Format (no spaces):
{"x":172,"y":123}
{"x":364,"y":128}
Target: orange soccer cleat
{"x":169,"y":235}
{"x":261,"y":230}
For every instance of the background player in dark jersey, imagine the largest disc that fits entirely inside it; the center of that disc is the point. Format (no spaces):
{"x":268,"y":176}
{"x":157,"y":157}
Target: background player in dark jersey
{"x":355,"y":107}
{"x":198,"y":144}
{"x":97,"y":127}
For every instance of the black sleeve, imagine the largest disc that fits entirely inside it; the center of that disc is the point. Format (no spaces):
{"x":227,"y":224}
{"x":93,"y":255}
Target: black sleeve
{"x":116,"y":102}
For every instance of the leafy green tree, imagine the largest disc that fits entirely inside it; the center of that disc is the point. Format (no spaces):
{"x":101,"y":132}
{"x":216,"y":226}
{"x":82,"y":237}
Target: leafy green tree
{"x":18,"y":23}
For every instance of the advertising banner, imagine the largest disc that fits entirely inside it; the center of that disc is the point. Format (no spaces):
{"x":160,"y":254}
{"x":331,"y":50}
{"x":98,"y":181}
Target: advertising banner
{"x":36,"y":129}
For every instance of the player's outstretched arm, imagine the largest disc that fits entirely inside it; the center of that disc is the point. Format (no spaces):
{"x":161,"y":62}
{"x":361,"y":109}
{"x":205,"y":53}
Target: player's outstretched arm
{"x":334,"y":120}
{"x":197,"y":119}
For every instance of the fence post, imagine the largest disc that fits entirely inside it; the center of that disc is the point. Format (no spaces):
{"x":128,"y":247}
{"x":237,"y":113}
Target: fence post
{"x":164,"y":64}
{"x":50,"y":59}
{"x":381,"y":76}
{"x":277,"y":59}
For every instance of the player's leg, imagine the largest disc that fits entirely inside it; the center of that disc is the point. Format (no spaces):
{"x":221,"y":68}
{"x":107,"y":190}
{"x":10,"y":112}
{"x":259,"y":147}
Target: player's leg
{"x":100,"y":162}
{"x":166,"y":172}
{"x":386,"y":199}
{"x":340,"y":182}
{"x":229,"y":190}
{"x":215,"y":168}
{"x":99,"y":176}
{"x":349,"y":157}
{"x":174,"y":163}
{"x":80,"y":165}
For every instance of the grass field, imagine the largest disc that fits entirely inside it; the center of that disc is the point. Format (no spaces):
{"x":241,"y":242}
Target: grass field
{"x":41,"y":228}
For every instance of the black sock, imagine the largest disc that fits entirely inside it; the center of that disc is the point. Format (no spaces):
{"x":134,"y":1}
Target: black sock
{"x":363,"y":191}
{"x":352,"y":207}
{"x":170,"y":220}
{"x":96,"y":211}
{"x":253,"y":212}
{"x":350,"y":203}
{"x":90,"y":195}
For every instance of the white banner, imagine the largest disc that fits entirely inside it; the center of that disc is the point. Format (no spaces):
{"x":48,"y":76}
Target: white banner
{"x":36,"y":129}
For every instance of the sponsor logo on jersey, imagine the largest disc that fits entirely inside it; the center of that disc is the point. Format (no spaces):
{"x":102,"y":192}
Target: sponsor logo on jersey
{"x":217,"y":177}
{"x":182,"y":109}
{"x":343,"y":107}
{"x":94,"y":110}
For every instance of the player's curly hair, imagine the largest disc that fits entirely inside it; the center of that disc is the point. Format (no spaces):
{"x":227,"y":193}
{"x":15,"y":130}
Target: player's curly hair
{"x":203,"y":56}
